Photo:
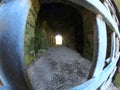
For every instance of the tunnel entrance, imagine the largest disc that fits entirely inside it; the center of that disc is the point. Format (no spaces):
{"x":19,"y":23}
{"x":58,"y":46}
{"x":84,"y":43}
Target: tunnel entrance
{"x":61,"y":67}
{"x":57,"y":18}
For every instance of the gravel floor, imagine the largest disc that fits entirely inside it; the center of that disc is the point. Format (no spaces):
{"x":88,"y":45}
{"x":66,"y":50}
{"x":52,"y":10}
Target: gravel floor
{"x":59,"y":68}
{"x":112,"y":87}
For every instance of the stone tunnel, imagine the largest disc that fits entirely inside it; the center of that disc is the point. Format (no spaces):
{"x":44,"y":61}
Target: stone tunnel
{"x":61,"y":21}
{"x":74,"y":26}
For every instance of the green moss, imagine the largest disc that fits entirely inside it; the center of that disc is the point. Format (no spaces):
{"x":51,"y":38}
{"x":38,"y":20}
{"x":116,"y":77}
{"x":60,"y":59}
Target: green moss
{"x":29,"y":52}
{"x":29,"y":44}
{"x":118,"y":4}
{"x":44,"y":37}
{"x":117,"y":80}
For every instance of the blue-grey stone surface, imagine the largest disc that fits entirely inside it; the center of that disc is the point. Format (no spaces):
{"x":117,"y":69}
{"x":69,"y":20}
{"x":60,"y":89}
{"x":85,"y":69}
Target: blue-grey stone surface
{"x":59,"y":68}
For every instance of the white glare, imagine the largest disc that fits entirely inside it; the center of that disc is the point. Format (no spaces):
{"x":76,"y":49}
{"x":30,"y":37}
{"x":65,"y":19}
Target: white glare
{"x":58,"y":39}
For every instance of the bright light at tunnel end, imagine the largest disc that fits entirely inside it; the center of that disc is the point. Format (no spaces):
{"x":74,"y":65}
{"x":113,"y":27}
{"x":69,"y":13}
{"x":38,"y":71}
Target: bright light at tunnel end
{"x":58,"y":39}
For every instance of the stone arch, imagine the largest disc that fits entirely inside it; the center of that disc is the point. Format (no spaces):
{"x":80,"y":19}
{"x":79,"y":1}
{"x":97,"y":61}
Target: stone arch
{"x":30,"y":50}
{"x":64,"y":18}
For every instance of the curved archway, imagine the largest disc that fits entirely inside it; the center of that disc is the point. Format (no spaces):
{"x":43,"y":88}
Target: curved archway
{"x":58,"y":18}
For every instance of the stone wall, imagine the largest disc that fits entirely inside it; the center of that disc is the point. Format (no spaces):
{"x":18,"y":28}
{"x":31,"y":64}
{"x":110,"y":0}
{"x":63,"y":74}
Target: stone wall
{"x":51,"y":23}
{"x":30,"y":31}
{"x":88,"y":28}
{"x":40,"y":34}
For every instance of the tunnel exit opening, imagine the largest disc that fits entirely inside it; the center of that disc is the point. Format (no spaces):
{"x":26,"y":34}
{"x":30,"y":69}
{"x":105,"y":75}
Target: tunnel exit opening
{"x":57,"y":18}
